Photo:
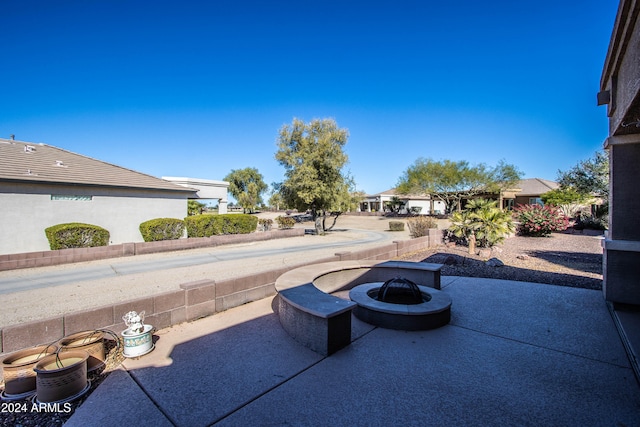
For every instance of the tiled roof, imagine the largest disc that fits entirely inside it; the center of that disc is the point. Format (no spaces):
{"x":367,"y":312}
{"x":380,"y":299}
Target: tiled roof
{"x":536,"y":186}
{"x":30,"y":162}
{"x":529,"y":187}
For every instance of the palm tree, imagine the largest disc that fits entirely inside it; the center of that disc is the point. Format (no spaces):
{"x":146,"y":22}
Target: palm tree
{"x":481,"y":222}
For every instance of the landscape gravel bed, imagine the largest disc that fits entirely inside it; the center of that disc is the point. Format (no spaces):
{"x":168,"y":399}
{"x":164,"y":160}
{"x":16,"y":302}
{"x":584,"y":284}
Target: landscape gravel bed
{"x":562,"y":259}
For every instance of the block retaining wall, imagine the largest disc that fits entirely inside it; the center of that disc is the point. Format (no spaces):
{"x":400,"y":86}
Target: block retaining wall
{"x":192,"y":301}
{"x":66,"y":256}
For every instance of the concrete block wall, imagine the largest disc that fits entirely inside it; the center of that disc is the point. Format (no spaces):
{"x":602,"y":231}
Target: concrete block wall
{"x":192,"y":301}
{"x":66,"y":256}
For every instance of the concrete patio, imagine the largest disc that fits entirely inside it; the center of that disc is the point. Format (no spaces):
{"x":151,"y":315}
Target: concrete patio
{"x":514,"y":353}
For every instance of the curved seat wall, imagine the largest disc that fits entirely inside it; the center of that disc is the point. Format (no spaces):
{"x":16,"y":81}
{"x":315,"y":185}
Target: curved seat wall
{"x":322,"y":322}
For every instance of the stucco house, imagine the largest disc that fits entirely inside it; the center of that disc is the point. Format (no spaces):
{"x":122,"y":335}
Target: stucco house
{"x":528,"y":191}
{"x":425,"y":204}
{"x":42,"y":185}
{"x":531,"y":189}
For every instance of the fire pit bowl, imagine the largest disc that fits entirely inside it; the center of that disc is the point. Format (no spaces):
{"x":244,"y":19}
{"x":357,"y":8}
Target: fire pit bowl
{"x":401,"y":304}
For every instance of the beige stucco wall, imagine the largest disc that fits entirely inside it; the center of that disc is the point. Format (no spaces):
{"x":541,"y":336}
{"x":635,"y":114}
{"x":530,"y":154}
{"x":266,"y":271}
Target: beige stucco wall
{"x":26,"y":210}
{"x":438,"y":206}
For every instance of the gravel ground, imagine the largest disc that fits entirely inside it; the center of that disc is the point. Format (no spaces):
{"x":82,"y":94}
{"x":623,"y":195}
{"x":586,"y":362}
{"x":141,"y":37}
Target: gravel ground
{"x":561,"y":259}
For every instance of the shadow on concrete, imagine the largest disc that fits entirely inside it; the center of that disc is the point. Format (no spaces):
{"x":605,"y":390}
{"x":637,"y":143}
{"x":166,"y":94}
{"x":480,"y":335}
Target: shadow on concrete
{"x":513,"y":354}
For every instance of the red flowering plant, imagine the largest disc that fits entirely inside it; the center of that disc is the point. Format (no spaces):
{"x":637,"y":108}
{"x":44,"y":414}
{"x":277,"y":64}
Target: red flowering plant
{"x":539,"y":221}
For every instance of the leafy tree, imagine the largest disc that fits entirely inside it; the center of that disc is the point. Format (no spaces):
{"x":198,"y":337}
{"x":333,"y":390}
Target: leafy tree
{"x":451,"y":181}
{"x":194,"y":207}
{"x":313,"y":157}
{"x":562,"y":196}
{"x":568,"y":200}
{"x":589,"y":177}
{"x":275,"y":201}
{"x":356,"y":198}
{"x":246,"y":186}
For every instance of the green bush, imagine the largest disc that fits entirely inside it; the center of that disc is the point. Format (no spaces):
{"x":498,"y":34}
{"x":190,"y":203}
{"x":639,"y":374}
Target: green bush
{"x":201,"y":225}
{"x":420,"y":225}
{"x":481,"y":223}
{"x":285,"y":222}
{"x":76,"y":235}
{"x":265,"y":224}
{"x":539,"y":221}
{"x":162,"y":229}
{"x":396,"y":226}
{"x":238,"y":223}
{"x":211,"y":225}
{"x":592,"y":222}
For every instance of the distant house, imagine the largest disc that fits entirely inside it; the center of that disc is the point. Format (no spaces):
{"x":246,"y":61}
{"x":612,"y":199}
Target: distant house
{"x":531,"y":189}
{"x":205,"y":189}
{"x":528,"y":191}
{"x":424,"y":204}
{"x":41,"y":186}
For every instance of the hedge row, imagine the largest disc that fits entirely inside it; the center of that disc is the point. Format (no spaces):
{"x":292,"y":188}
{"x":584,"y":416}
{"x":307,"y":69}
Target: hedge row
{"x":79,"y":235}
{"x":211,"y":225}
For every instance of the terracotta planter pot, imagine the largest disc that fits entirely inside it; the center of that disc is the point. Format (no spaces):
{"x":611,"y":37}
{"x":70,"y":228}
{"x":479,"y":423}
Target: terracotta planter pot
{"x":61,"y":377}
{"x":17,"y":371}
{"x":89,"y":341}
{"x":137,"y":343}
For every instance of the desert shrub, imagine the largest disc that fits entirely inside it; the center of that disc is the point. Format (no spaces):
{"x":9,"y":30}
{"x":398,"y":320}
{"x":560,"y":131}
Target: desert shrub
{"x":265,"y":224}
{"x":211,"y":225}
{"x":481,"y":223}
{"x":592,"y":222}
{"x":539,"y":221}
{"x":285,"y":222}
{"x":419,"y":226}
{"x":76,"y":235}
{"x":396,"y":225}
{"x":162,"y":229}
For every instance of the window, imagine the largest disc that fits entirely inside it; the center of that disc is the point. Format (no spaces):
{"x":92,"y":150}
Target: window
{"x":72,"y":198}
{"x":535,"y":201}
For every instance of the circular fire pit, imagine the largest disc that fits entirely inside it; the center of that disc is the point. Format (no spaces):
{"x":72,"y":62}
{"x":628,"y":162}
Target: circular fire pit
{"x":401,"y":304}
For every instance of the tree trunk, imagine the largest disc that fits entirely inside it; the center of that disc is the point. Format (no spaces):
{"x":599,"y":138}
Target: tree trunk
{"x":320,"y":225}
{"x":335,"y":219}
{"x":472,"y":244}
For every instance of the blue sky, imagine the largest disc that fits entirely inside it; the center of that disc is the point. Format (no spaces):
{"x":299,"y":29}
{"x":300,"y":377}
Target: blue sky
{"x":198,"y":88}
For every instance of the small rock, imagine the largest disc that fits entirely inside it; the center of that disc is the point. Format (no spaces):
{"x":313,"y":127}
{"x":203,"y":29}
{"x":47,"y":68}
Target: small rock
{"x":484,"y":253}
{"x":495,"y":262}
{"x":522,"y":256}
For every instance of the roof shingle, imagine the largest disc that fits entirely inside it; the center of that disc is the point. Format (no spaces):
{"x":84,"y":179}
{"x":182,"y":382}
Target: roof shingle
{"x":30,"y":162}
